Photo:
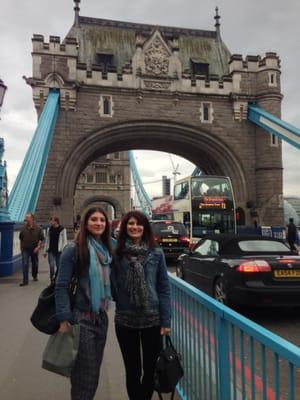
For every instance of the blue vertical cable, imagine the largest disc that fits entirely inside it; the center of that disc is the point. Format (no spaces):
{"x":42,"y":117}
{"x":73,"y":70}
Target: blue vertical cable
{"x":142,"y":195}
{"x":25,"y":192}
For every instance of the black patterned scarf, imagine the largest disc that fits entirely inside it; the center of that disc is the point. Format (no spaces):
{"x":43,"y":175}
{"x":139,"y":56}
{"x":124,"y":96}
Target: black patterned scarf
{"x":135,"y":280}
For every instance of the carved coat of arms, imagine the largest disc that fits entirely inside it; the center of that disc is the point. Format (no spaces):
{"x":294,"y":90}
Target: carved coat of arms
{"x":157,"y":58}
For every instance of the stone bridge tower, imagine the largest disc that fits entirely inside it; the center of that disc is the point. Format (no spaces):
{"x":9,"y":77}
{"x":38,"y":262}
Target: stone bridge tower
{"x":136,"y":86}
{"x":106,"y":183}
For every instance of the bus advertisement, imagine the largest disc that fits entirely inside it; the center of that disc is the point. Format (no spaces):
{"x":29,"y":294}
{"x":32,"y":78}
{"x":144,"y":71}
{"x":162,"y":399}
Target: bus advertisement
{"x":205,"y":204}
{"x":162,"y":208}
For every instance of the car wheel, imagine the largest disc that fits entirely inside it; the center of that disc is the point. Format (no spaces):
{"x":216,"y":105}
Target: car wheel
{"x":220,"y":291}
{"x":179,"y":272}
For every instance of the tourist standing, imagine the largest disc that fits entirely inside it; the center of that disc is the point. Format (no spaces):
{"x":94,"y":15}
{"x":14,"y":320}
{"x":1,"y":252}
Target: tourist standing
{"x":89,"y":258}
{"x":141,"y":290}
{"x":56,"y":240}
{"x":31,"y":237}
{"x":76,"y":225}
{"x":292,"y":233}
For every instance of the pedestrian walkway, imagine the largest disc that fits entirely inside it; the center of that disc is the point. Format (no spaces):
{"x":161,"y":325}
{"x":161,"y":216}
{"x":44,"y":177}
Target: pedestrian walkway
{"x":21,"y":347}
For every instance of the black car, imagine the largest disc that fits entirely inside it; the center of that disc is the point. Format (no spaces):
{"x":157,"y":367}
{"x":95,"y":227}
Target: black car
{"x":243,"y":270}
{"x":171,"y":236}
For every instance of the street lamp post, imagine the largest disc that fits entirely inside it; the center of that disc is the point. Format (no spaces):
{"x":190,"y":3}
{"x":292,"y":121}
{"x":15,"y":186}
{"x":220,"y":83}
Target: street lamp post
{"x":4,"y":214}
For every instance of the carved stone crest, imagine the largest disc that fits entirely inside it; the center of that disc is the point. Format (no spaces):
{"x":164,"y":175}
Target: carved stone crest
{"x":157,"y":57}
{"x":157,"y":84}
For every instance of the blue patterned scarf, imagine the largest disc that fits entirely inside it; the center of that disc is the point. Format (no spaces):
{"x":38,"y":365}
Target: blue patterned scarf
{"x":99,"y":271}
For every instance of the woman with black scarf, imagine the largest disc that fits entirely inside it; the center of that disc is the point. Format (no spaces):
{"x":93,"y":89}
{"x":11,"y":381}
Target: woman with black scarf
{"x":141,"y":290}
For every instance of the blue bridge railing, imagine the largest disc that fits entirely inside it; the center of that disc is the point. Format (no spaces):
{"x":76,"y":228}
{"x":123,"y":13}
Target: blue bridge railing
{"x":225,"y":355}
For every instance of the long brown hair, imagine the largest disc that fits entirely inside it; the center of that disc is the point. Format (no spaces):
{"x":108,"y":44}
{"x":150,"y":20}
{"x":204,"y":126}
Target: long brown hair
{"x":83,"y":233}
{"x":147,"y":237}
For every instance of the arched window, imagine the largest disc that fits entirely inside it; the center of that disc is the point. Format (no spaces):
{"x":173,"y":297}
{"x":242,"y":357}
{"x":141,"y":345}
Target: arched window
{"x":106,"y":105}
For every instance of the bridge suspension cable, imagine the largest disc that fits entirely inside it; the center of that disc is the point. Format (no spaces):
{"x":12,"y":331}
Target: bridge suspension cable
{"x":274,"y":125}
{"x":142,"y":195}
{"x":25,"y":192}
{"x":197,"y":171}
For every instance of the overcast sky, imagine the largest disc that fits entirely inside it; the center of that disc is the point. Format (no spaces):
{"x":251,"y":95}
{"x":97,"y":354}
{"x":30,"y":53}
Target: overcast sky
{"x":246,"y":27}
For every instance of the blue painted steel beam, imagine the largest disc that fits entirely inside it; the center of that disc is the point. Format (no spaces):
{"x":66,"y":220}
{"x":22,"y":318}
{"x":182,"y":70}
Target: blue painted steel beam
{"x":274,"y":125}
{"x":25,"y":192}
{"x":142,"y":195}
{"x":197,"y":172}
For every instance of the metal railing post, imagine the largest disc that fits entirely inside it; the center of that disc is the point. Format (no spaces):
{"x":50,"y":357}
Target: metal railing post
{"x":224,"y":359}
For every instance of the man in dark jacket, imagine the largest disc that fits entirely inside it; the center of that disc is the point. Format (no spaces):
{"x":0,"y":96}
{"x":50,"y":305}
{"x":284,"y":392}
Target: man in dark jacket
{"x":31,"y":237}
{"x":292,"y":234}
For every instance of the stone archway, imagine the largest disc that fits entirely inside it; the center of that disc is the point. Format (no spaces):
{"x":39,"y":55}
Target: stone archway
{"x":198,"y":146}
{"x":103,"y":199}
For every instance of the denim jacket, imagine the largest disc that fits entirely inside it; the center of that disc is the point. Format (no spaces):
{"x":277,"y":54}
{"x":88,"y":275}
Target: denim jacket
{"x":157,"y":281}
{"x":67,"y":268}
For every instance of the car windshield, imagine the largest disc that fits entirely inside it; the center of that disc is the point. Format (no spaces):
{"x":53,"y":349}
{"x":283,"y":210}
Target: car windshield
{"x":172,"y":228}
{"x":263,"y":246}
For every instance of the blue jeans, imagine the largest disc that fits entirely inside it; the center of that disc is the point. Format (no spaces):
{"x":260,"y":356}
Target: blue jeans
{"x":26,"y":254}
{"x":53,"y":260}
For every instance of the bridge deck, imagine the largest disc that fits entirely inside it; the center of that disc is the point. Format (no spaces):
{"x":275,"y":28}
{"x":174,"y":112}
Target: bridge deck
{"x":21,"y":347}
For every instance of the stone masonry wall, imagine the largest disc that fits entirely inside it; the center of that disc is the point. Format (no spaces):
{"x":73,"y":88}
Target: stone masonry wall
{"x":72,"y":127}
{"x":227,"y":145}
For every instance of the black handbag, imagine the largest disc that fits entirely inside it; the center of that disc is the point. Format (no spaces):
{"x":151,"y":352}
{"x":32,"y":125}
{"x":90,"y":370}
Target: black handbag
{"x":168,"y":370}
{"x":43,"y":316}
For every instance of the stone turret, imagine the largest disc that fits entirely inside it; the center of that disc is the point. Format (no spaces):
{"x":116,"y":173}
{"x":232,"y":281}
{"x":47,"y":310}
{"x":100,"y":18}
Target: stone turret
{"x":54,"y":66}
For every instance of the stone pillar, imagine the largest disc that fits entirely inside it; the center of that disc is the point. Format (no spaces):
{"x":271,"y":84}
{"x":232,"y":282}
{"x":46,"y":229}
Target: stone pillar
{"x":269,"y":170}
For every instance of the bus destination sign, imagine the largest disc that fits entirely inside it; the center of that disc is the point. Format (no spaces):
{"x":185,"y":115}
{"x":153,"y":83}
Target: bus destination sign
{"x":212,"y":202}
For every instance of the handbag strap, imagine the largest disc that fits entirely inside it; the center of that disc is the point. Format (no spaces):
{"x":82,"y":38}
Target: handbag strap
{"x":169,"y":341}
{"x":75,"y":276}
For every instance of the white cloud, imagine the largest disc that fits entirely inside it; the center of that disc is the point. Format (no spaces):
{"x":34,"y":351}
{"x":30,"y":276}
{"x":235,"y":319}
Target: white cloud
{"x":152,"y":179}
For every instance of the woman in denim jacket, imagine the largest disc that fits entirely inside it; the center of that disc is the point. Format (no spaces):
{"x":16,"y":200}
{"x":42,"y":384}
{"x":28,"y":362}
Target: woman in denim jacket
{"x":88,"y":258}
{"x":141,"y":290}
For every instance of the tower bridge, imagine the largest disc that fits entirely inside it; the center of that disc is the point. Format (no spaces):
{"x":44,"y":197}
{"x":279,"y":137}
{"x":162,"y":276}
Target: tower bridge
{"x":125,"y":86}
{"x":113,"y":86}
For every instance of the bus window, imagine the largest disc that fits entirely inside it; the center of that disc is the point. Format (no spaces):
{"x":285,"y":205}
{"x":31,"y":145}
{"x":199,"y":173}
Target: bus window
{"x":212,"y":222}
{"x":211,"y":187}
{"x":187,"y":221}
{"x":181,"y":191}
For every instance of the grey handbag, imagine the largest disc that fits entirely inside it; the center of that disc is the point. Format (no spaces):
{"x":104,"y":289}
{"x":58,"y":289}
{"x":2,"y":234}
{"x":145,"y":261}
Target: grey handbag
{"x":61,"y":351}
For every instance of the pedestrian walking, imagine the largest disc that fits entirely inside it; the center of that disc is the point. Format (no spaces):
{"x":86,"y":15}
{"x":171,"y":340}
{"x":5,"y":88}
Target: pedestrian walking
{"x":141,"y":290}
{"x":55,"y":241}
{"x":292,"y":234}
{"x":89,"y":257}
{"x":76,"y":225}
{"x":31,"y":237}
